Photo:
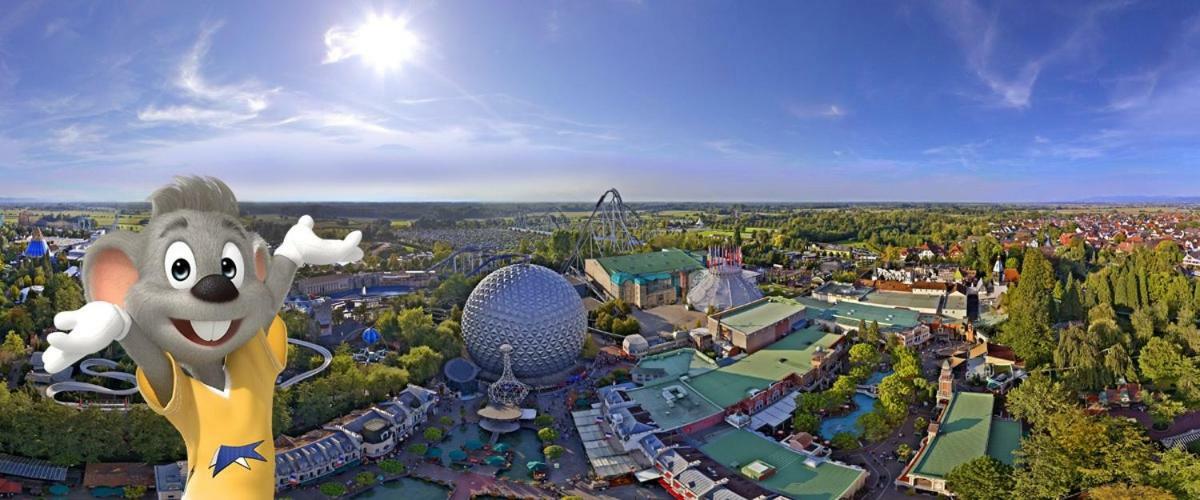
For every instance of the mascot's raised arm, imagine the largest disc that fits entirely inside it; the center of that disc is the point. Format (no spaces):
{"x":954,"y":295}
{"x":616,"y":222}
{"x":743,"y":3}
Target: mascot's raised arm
{"x":193,"y":300}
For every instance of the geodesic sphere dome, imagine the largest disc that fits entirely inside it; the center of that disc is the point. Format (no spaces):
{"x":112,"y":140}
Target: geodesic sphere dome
{"x":531,"y":308}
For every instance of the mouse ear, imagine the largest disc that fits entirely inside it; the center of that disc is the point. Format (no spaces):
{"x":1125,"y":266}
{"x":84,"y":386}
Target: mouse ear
{"x":108,"y":267}
{"x":262,"y":257}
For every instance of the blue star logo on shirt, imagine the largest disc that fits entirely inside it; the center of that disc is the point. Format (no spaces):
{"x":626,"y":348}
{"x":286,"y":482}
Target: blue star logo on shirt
{"x":227,"y":455}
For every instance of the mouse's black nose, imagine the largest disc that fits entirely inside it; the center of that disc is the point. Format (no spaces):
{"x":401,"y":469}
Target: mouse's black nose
{"x":215,"y":288}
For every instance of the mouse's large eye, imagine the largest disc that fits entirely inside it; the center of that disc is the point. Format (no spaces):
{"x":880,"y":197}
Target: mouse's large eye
{"x":180,"y":265}
{"x":231,"y":264}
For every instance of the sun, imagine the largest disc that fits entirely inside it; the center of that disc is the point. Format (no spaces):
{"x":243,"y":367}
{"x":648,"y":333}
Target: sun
{"x":384,"y":43}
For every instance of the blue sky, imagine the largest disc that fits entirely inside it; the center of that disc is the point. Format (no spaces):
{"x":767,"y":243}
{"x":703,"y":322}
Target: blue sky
{"x":559,"y":100}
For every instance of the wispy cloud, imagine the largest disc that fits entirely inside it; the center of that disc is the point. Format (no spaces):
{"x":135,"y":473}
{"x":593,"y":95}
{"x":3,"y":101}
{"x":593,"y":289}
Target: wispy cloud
{"x":77,"y":134}
{"x":831,"y":111}
{"x":967,"y":155}
{"x":982,"y":38}
{"x":1093,"y":145}
{"x":208,"y":103}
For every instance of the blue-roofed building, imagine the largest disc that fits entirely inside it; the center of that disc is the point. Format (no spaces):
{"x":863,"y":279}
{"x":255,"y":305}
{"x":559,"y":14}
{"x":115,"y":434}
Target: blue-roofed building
{"x":29,"y":468}
{"x":37,"y":247}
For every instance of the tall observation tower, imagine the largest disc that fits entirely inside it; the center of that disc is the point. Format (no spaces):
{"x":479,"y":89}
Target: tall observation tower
{"x":503,"y":412}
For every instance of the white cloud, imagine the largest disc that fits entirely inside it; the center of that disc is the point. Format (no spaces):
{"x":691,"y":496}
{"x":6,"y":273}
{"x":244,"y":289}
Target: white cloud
{"x":77,"y":134}
{"x":980,"y":37}
{"x":193,"y":115}
{"x":830,"y":111}
{"x":217,"y":105}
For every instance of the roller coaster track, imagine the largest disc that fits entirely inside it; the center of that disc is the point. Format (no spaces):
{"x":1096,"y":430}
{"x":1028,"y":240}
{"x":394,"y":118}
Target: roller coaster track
{"x":608,"y":230}
{"x":87,"y":368}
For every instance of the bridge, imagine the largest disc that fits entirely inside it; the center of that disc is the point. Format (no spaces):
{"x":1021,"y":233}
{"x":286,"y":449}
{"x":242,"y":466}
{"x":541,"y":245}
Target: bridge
{"x":871,"y":390}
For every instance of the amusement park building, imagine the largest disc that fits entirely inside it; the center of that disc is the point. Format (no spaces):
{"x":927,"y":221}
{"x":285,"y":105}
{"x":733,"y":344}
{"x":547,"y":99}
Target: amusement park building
{"x":684,"y":391}
{"x":752,"y":326}
{"x":645,"y":280}
{"x":965,"y":430}
{"x":370,"y":433}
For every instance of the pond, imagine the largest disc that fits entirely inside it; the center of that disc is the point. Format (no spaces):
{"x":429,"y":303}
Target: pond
{"x":526,"y":448}
{"x":408,"y":489}
{"x":849,"y":421}
{"x":458,"y":437}
{"x":524,"y":443}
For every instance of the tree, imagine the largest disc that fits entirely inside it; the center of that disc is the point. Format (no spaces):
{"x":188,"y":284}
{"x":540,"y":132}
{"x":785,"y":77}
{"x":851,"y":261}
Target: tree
{"x":1037,"y":398}
{"x":844,"y":441}
{"x":13,"y":349}
{"x":982,"y":478}
{"x":392,"y":466}
{"x":364,"y":479}
{"x":433,"y":434}
{"x":806,"y":422}
{"x":418,"y":448}
{"x":1143,"y":324}
{"x":553,"y":451}
{"x":332,"y":489}
{"x":875,"y":425}
{"x":422,"y":363}
{"x":1078,"y":352}
{"x":590,"y":348}
{"x":895,"y":394}
{"x":1070,"y":308}
{"x":870,"y":334}
{"x":1031,"y":311}
{"x":281,"y":413}
{"x":903,"y":451}
{"x":864,"y":355}
{"x":1122,"y":491}
{"x":1162,"y":362}
{"x":133,"y":492}
{"x":1118,"y":363}
{"x":1177,"y":471}
{"x":1101,"y":311}
{"x":920,"y":425}
{"x":1072,"y":451}
{"x":1163,"y":410}
{"x":547,"y":434}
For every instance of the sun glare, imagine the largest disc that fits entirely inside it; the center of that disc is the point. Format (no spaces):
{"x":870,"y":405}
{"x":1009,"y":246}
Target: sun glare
{"x":384,"y":43}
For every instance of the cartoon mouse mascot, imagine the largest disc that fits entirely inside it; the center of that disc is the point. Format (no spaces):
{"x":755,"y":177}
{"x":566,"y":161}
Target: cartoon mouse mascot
{"x":193,"y":300}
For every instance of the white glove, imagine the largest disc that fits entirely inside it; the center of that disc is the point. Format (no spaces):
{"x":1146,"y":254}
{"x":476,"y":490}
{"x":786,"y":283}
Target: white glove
{"x":93,"y":327}
{"x":302,"y":246}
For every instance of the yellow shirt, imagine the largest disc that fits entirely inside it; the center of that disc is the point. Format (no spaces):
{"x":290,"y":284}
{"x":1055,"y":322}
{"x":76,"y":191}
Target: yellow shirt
{"x":231,"y":453}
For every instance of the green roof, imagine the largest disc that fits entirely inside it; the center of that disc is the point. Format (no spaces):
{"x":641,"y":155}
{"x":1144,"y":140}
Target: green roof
{"x":666,"y":261}
{"x":792,"y":478}
{"x":678,"y":362}
{"x":967,"y":431}
{"x":850,"y":313}
{"x":1004,"y":440}
{"x":727,"y":385}
{"x":902,"y":299}
{"x":668,"y":416}
{"x":760,"y":313}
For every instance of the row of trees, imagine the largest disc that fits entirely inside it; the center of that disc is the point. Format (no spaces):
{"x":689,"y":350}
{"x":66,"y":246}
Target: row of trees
{"x":36,"y":427}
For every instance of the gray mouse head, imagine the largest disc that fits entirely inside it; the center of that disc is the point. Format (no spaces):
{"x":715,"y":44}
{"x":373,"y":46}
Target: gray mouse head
{"x":193,"y":279}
